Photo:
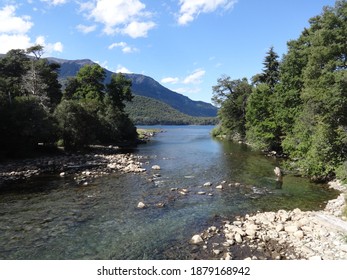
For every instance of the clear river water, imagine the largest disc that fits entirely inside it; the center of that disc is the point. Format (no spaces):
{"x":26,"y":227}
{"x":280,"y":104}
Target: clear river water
{"x":53,"y":218}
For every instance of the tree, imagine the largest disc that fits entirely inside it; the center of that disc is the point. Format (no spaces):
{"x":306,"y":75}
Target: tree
{"x":262,"y":125}
{"x":118,"y":91}
{"x":90,"y":83}
{"x":262,"y":130}
{"x":12,"y":68}
{"x":270,"y":75}
{"x":318,"y":140}
{"x":41,"y":79}
{"x":232,"y":96}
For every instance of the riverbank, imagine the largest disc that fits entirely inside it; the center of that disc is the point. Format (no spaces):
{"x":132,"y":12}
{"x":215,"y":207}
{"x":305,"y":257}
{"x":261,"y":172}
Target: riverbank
{"x":83,"y":167}
{"x":291,"y":235}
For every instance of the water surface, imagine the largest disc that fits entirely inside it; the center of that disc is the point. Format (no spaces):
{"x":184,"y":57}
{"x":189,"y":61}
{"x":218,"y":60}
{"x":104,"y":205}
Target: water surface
{"x":54,"y":218}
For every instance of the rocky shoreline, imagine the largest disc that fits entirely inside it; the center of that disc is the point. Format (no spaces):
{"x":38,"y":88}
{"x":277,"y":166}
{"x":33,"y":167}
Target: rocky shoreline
{"x":287,"y":235}
{"x":83,"y":167}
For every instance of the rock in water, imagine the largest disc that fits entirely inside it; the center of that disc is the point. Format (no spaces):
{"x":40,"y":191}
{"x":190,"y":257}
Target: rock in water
{"x":156,"y":167}
{"x":196,"y":239}
{"x":278,"y":171}
{"x":141,"y":205}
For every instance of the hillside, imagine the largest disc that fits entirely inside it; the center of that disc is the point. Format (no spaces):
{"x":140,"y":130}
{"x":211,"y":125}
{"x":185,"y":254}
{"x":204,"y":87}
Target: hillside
{"x":148,"y":111}
{"x":145,"y":86}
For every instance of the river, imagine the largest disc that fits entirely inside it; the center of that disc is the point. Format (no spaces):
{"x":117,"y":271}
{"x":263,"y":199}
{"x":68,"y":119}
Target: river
{"x":53,"y":218}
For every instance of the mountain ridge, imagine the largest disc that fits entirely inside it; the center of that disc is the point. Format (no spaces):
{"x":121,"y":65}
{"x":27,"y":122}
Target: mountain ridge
{"x":144,"y":86}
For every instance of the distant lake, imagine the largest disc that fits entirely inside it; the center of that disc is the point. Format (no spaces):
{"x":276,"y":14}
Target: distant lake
{"x":53,"y":218}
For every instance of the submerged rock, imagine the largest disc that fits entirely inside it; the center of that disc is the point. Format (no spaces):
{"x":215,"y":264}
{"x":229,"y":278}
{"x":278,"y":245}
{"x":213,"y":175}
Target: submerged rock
{"x":141,"y":205}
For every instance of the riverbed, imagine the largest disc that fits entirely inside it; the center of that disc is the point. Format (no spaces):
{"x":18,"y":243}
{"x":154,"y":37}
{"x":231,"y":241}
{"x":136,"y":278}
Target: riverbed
{"x":52,"y":217}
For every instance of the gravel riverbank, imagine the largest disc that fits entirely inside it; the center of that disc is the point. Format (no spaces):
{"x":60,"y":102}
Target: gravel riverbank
{"x":292,"y":235}
{"x":83,"y":167}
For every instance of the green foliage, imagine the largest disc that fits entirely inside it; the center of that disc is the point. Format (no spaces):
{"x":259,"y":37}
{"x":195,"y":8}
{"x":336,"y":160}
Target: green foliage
{"x":232,"y":95}
{"x":148,"y":111}
{"x":118,"y":91}
{"x":88,"y":84}
{"x":31,"y":110}
{"x":299,"y":105}
{"x":262,"y":129}
{"x":76,"y":124}
{"x":23,"y":124}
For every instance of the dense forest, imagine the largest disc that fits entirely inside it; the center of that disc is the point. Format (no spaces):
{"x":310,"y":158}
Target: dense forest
{"x":36,"y":112}
{"x":144,"y":110}
{"x":297,"y":106}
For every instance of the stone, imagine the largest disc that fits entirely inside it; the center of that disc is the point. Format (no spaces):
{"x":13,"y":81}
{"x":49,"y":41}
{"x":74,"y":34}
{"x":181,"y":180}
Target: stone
{"x":156,"y":167}
{"x":62,"y":174}
{"x":216,"y":252}
{"x":238,"y":238}
{"x":141,"y":205}
{"x":344,"y":248}
{"x":278,"y":171}
{"x":230,"y":242}
{"x":299,"y":234}
{"x":279,"y":227}
{"x":220,"y":187}
{"x":227,"y":256}
{"x":250,"y":232}
{"x":160,"y":205}
{"x":201,"y":193}
{"x":197,"y":239}
{"x":291,"y":229}
{"x":207,"y":184}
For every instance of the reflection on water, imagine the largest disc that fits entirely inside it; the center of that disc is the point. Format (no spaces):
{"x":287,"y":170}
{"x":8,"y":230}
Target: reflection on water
{"x":53,"y":218}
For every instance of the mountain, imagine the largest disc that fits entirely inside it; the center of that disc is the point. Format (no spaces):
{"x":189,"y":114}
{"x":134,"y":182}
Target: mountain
{"x":148,"y":111}
{"x":144,"y":86}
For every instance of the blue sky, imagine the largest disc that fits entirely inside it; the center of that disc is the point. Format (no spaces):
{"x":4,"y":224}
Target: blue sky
{"x":186,"y":45}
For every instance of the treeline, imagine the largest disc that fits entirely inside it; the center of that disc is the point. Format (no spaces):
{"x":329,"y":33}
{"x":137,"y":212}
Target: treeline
{"x":297,"y":106}
{"x":35,"y":110}
{"x":148,"y":111}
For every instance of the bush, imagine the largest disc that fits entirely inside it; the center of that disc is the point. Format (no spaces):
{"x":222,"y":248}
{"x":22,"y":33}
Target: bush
{"x":76,"y":125}
{"x":24,"y":124}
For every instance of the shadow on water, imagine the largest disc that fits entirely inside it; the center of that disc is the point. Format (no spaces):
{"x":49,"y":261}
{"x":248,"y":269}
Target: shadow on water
{"x":56,"y":219}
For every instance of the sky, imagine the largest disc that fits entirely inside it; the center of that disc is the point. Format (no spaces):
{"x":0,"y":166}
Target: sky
{"x":186,"y":45}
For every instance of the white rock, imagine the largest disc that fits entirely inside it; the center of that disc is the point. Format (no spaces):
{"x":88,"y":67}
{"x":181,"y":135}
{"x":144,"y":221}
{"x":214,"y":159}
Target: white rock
{"x":62,"y":174}
{"x":196,"y":239}
{"x":291,"y":229}
{"x":156,"y":167}
{"x":216,"y":252}
{"x":207,"y":184}
{"x":279,"y":227}
{"x":299,"y":234}
{"x":220,"y":187}
{"x":238,"y":238}
{"x":201,"y":193}
{"x":141,"y":205}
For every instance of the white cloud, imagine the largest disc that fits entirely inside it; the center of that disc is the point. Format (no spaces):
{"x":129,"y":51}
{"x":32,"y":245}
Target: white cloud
{"x":195,"y":77}
{"x":191,"y":9}
{"x":124,"y":46}
{"x":13,"y":30}
{"x":120,"y":16}
{"x":55,"y":2}
{"x":170,"y":80}
{"x":49,"y":48}
{"x":137,"y":29}
{"x":16,"y":41}
{"x":85,"y":28}
{"x":12,"y":24}
{"x":122,"y":69}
